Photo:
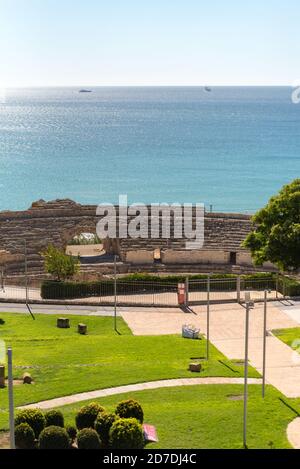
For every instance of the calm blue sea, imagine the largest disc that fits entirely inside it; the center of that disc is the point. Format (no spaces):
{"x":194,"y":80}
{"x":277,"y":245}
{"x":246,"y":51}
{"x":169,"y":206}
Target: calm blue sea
{"x":230,"y":147}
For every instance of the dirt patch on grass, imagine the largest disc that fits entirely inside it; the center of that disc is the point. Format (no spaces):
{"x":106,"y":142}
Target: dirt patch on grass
{"x":235,"y":397}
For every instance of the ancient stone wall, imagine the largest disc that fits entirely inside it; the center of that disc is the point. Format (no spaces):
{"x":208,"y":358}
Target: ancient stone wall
{"x":58,"y":221}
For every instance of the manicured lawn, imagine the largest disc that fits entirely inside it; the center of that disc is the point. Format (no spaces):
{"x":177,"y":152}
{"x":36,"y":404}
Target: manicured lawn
{"x":288,"y":336}
{"x":63,"y":362}
{"x":206,"y":417}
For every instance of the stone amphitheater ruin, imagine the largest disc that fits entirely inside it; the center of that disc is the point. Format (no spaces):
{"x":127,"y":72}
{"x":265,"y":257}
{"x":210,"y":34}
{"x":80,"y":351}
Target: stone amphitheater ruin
{"x":58,"y":221}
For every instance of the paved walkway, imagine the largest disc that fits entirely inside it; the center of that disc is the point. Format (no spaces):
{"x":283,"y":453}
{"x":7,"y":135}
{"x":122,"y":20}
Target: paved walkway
{"x":166,"y":383}
{"x":227,"y":332}
{"x":293,"y":433}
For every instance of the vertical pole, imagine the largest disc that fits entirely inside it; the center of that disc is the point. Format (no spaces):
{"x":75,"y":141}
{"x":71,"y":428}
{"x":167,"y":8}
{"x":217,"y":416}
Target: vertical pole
{"x":186,"y":300}
{"x":264,"y":344}
{"x":207,"y":317}
{"x":115,"y":293}
{"x":246,"y":377}
{"x":2,"y":279}
{"x":238,"y":288}
{"x":26,"y":277}
{"x":11,"y":399}
{"x":277,"y":285}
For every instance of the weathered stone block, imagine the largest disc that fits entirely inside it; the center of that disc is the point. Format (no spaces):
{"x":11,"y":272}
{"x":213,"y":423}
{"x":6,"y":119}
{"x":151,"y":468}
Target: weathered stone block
{"x":63,"y":323}
{"x":27,"y":379}
{"x":195,"y":367}
{"x":2,"y":376}
{"x":82,"y":328}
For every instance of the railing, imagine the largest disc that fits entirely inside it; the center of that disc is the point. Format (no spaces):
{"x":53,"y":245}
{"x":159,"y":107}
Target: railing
{"x":149,"y":293}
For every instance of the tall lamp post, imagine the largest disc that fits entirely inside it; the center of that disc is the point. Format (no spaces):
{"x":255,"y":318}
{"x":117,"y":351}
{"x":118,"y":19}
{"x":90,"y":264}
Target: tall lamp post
{"x":11,"y":399}
{"x":207,"y":316}
{"x":115,"y":293}
{"x":249,"y":304}
{"x":264,"y":342}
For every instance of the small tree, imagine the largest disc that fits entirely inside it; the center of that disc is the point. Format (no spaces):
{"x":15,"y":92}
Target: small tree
{"x":59,"y":264}
{"x":275,"y":236}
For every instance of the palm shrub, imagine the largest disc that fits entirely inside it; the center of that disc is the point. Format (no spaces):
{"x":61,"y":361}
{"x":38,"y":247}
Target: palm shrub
{"x":54,"y":417}
{"x":130,"y":408}
{"x":87,"y":415}
{"x":54,"y":438}
{"x":126,"y":434}
{"x":88,"y":438}
{"x":24,"y":436}
{"x":35,"y":419}
{"x":103,"y":424}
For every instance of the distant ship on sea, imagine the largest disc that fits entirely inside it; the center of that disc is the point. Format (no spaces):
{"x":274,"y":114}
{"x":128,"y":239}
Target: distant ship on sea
{"x":85,"y":91}
{"x":207,"y":88}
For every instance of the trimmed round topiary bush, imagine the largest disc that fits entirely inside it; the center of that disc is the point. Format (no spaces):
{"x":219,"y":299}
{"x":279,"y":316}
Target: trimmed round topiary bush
{"x":87,"y":415}
{"x":54,"y":418}
{"x":103,"y":424}
{"x":24,"y":436}
{"x":126,"y":434}
{"x":130,"y":409}
{"x":88,"y":438}
{"x":54,"y":438}
{"x":35,"y":419}
{"x":72,"y":432}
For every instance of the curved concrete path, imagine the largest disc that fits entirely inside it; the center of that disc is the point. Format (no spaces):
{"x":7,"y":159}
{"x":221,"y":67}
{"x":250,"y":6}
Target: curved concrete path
{"x":166,"y":383}
{"x":293,"y":433}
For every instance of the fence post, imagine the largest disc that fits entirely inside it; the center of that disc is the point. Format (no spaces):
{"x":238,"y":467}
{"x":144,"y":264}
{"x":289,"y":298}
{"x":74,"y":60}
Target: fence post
{"x":283,"y":287}
{"x":238,"y":288}
{"x":186,"y":291}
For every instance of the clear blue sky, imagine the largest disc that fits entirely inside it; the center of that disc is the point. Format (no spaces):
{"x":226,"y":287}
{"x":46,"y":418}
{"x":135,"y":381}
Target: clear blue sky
{"x":149,"y":42}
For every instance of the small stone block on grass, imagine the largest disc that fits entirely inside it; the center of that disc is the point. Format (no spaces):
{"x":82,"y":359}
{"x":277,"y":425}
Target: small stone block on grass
{"x":195,"y":367}
{"x":63,"y":323}
{"x":82,"y":328}
{"x":2,"y":376}
{"x":27,"y":379}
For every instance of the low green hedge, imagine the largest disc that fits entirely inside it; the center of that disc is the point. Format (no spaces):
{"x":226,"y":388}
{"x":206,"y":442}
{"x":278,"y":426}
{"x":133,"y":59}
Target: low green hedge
{"x":141,"y":283}
{"x":288,"y":286}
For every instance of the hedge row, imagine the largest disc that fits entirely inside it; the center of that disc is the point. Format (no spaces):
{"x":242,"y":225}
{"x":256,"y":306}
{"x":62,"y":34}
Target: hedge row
{"x":289,"y":287}
{"x":141,"y":283}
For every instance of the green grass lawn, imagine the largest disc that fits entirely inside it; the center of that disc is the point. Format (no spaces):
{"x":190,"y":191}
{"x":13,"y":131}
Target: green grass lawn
{"x":206,"y":417}
{"x":63,"y":362}
{"x":288,"y":336}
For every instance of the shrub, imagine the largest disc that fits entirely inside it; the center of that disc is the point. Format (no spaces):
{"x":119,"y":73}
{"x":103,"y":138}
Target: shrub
{"x":2,"y":321}
{"x":88,"y":438}
{"x":24,"y":436}
{"x":54,"y":438}
{"x":59,"y":264}
{"x":130,"y":409}
{"x":103,"y":424}
{"x":54,"y":418}
{"x":86,"y":416}
{"x":72,"y":432}
{"x":126,"y":434}
{"x":34,"y":417}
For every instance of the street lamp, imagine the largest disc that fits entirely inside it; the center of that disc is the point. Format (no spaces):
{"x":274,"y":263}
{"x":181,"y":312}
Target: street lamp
{"x":249,"y":305}
{"x":115,"y":293}
{"x":264,"y":342}
{"x":207,"y":316}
